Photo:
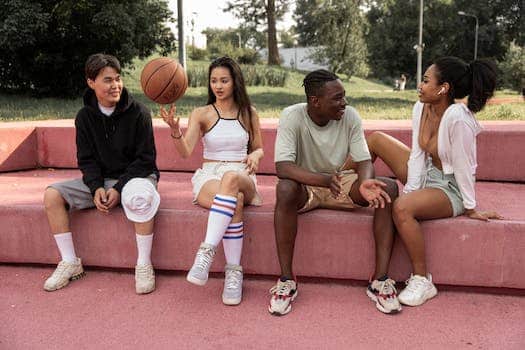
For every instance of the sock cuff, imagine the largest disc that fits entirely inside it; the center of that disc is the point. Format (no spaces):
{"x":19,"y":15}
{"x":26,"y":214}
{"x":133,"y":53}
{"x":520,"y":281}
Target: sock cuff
{"x":225,"y":199}
{"x":63,"y":234}
{"x":236,"y":226}
{"x":233,"y":236}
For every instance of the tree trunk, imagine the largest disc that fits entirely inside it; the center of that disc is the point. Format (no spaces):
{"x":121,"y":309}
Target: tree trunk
{"x":273,"y":51}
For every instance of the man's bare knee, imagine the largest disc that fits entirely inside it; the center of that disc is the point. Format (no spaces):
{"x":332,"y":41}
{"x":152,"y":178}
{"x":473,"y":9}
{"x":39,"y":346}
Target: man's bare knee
{"x":53,"y":199}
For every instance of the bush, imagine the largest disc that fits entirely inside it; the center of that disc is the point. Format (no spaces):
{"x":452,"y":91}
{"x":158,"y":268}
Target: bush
{"x":197,"y":54}
{"x":254,"y":75}
{"x":512,"y":68}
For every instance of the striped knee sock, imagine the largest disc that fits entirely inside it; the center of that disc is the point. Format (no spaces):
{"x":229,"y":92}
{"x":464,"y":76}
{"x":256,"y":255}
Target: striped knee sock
{"x":232,"y":243}
{"x":221,"y":213}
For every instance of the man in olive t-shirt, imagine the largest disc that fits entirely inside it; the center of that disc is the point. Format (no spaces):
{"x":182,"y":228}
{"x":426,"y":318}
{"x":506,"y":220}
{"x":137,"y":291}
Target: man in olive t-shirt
{"x":315,"y":140}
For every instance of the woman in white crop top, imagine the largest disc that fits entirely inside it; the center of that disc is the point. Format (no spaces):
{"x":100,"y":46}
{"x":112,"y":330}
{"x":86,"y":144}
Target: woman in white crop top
{"x":439,"y":170}
{"x":229,"y":128}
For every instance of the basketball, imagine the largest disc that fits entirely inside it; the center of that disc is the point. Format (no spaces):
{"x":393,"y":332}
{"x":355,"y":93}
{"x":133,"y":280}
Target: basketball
{"x":163,"y":80}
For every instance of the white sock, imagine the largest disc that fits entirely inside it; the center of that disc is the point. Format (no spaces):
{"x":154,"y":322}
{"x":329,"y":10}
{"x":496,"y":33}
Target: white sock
{"x":221,"y":213}
{"x":66,"y":247}
{"x":144,"y":243}
{"x":232,"y":243}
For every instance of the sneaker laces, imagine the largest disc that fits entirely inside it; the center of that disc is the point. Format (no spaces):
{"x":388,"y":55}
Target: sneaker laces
{"x":388,"y":288}
{"x":282,"y":288}
{"x":204,"y":258}
{"x":143,"y":271}
{"x":414,"y":283}
{"x":59,"y":271}
{"x":233,"y":279}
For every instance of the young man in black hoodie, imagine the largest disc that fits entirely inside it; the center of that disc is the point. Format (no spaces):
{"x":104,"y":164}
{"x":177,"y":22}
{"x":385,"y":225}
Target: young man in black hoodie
{"x":116,"y":155}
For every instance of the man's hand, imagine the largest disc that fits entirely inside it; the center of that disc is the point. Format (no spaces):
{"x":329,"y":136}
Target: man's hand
{"x":113,"y":198}
{"x":100,"y":199}
{"x":372,"y":191}
{"x":482,"y":215}
{"x":334,"y":184}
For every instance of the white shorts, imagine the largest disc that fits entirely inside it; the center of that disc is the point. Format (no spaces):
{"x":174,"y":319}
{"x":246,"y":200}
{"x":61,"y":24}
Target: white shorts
{"x":215,"y":171}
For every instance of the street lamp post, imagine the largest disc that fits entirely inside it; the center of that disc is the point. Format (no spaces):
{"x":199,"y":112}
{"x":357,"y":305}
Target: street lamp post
{"x":462,"y":13}
{"x":420,"y":46}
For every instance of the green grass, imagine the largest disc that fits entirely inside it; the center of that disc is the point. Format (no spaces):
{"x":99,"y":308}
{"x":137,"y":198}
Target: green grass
{"x":372,"y":100}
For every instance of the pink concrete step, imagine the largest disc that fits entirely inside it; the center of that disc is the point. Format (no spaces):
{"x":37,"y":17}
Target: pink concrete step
{"x":333,"y":244}
{"x":499,"y":147}
{"x":101,"y":311}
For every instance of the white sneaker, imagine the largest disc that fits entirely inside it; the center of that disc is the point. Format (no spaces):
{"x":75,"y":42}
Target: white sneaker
{"x":384,"y":294}
{"x":232,"y":293}
{"x":201,"y":266}
{"x":283,"y":293}
{"x":418,"y":290}
{"x":144,"y":279}
{"x":64,"y":273}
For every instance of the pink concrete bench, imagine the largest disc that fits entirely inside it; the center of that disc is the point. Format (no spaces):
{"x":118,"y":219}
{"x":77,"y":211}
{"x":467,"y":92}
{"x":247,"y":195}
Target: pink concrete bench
{"x":330,"y":244}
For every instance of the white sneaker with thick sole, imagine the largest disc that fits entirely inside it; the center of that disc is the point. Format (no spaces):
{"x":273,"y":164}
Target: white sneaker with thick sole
{"x":232,"y":292}
{"x":384,"y":294}
{"x":201,"y":266}
{"x":64,"y":273}
{"x":418,"y":290}
{"x":144,"y":279}
{"x":283,"y":293}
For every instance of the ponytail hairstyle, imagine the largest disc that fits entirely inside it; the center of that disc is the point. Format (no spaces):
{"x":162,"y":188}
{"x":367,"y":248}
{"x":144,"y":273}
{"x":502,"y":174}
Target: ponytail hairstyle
{"x":240,"y":95}
{"x":476,"y":80}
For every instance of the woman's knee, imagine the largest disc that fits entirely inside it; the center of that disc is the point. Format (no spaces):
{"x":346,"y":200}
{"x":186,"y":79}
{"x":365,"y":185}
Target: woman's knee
{"x":401,"y":211}
{"x":230,"y":180}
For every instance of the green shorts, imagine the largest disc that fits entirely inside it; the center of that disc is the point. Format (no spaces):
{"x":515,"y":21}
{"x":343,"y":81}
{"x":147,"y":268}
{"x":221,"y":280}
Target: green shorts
{"x":447,"y":183}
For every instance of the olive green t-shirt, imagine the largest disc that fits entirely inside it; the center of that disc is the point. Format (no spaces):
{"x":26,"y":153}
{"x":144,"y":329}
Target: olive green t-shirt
{"x":320,"y":149}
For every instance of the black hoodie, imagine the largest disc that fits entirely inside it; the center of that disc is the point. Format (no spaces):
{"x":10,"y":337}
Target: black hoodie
{"x":120,"y":146}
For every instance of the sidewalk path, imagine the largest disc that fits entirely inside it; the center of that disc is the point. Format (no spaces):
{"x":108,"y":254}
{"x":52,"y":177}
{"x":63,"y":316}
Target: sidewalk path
{"x":101,"y":311}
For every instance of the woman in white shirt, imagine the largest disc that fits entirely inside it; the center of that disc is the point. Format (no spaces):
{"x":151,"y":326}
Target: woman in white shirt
{"x":231,"y":136}
{"x":439,"y":170}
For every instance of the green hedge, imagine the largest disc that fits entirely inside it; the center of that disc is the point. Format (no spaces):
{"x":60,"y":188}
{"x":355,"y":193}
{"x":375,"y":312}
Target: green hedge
{"x":254,"y":75}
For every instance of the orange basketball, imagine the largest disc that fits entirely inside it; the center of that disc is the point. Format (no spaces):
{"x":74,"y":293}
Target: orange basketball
{"x":164,"y":80}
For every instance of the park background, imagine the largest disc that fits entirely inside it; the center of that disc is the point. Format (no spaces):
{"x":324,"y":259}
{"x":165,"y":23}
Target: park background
{"x":44,"y":44}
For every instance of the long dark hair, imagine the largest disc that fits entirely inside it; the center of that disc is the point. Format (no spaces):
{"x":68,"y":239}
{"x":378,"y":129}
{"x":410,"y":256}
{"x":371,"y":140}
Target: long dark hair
{"x":477,"y":80}
{"x":240,"y":95}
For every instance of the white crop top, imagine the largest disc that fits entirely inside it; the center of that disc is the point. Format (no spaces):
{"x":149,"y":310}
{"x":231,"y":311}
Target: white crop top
{"x":226,"y":140}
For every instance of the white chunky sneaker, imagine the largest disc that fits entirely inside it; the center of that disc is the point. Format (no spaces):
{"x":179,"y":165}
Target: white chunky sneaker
{"x":384,"y":294}
{"x":418,"y":290}
{"x":283,"y":293}
{"x":144,"y":279}
{"x":232,"y":293}
{"x":64,"y":273}
{"x":201,"y":267}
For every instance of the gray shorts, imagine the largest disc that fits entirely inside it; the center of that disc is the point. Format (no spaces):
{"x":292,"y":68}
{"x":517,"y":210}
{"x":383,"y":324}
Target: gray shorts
{"x":78,"y":196}
{"x":447,"y":183}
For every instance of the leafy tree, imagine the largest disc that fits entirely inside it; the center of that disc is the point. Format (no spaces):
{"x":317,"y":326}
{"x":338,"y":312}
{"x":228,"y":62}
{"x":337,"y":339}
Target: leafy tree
{"x":341,"y":35}
{"x":44,"y":44}
{"x":256,"y":14}
{"x":512,"y":68}
{"x":394,"y":32}
{"x":308,"y":23}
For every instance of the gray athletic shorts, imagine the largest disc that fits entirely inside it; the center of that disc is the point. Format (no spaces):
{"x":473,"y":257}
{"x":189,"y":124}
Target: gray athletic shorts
{"x":447,"y":183}
{"x":78,"y":196}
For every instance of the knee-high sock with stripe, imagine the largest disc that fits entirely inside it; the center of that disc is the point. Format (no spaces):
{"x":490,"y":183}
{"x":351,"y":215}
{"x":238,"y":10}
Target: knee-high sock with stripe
{"x":221,"y":213}
{"x":232,"y":243}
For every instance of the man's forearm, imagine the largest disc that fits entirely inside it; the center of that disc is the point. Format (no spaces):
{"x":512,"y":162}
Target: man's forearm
{"x":289,"y":170}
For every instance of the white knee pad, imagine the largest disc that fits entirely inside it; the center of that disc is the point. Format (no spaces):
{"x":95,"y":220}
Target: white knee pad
{"x":140,"y":200}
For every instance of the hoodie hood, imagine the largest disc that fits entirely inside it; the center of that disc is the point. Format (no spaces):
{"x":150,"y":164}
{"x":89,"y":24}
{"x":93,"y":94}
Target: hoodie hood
{"x":91,"y":102}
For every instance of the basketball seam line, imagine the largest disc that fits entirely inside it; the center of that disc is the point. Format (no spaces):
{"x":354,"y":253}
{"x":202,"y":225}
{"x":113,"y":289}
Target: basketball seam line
{"x":171,"y":79}
{"x":153,"y":73}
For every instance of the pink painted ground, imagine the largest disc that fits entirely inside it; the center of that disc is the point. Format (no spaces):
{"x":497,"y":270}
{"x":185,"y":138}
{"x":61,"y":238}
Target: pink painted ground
{"x":102,"y":311}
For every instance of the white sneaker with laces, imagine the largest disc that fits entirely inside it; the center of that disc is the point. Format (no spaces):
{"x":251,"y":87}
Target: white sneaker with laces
{"x":64,"y":273}
{"x":201,"y":266}
{"x":232,"y":293}
{"x":144,"y":279}
{"x":418,"y":290}
{"x":384,"y":294}
{"x":283,"y":293}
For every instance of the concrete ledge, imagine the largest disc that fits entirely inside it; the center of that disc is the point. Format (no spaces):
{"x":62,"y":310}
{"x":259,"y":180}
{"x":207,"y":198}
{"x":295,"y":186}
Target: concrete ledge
{"x":333,"y":244}
{"x":499,"y":147}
